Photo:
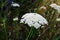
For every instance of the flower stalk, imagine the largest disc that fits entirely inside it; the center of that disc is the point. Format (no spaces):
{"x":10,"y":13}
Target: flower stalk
{"x":30,"y":33}
{"x":5,"y":29}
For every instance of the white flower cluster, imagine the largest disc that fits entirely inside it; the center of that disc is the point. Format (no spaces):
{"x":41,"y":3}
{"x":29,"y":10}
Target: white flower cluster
{"x":15,"y":4}
{"x":33,"y":19}
{"x":55,"y":6}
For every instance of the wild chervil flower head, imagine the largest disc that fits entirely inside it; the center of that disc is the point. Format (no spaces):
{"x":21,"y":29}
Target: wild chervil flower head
{"x":55,"y":6}
{"x":13,"y":3}
{"x":33,"y":19}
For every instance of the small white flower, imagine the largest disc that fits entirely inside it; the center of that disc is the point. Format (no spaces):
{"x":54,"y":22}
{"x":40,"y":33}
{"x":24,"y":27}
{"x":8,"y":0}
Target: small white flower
{"x":42,"y":26}
{"x":15,"y":4}
{"x":58,"y":19}
{"x":55,"y":6}
{"x":33,"y":19}
{"x":15,"y":19}
{"x":1,"y":24}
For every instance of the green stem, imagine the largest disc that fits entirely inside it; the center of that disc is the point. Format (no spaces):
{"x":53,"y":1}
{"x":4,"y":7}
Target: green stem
{"x":17,"y":32}
{"x":5,"y":29}
{"x":4,"y":24}
{"x":30,"y":34}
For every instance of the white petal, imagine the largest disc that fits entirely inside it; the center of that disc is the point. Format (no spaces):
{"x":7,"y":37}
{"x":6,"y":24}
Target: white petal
{"x":36,"y":25}
{"x":26,"y":21}
{"x":41,"y":22}
{"x":24,"y":15}
{"x":22,"y":20}
{"x":30,"y":23}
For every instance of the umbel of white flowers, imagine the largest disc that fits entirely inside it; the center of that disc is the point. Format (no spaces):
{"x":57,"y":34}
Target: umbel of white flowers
{"x":55,"y":6}
{"x":15,"y":4}
{"x":33,"y":19}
